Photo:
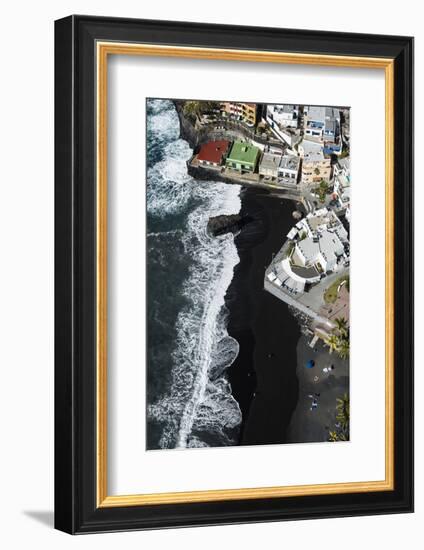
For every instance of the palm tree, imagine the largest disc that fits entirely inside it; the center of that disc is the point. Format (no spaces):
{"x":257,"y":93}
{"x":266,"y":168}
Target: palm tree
{"x":323,"y":185}
{"x":341,"y":324}
{"x":344,"y":348}
{"x":195,"y":109}
{"x":333,"y":436}
{"x":333,"y":342}
{"x":347,"y":279}
{"x":337,"y":436}
{"x":209,"y":106}
{"x":192,"y":109}
{"x":343,"y":411}
{"x":341,"y":430}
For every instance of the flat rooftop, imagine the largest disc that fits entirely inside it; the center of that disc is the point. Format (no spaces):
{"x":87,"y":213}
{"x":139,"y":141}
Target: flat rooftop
{"x":316,"y":156}
{"x":316,"y":113}
{"x":243,"y":152}
{"x":212,"y":151}
{"x":310,"y":146}
{"x":270,"y":161}
{"x":284,"y":108}
{"x":289,"y":162}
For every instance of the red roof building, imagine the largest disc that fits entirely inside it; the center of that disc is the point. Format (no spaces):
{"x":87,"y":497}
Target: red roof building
{"x":213,"y":152}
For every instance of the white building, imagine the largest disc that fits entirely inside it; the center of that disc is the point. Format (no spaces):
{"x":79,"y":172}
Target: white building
{"x":283,"y":121}
{"x":288,"y":169}
{"x":347,"y":214}
{"x":269,"y":165}
{"x":320,"y":246}
{"x":322,"y":240}
{"x":314,"y":122}
{"x":322,"y":124}
{"x":283,"y":115}
{"x":323,"y":251}
{"x":342,"y":182}
{"x":319,"y":220}
{"x":332,"y":125}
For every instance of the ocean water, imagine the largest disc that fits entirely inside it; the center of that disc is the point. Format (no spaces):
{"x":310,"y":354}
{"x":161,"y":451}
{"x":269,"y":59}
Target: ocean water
{"x":189,"y":400}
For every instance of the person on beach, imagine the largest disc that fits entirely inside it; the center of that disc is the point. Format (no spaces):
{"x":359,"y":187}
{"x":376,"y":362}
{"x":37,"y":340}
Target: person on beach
{"x":328,"y":369}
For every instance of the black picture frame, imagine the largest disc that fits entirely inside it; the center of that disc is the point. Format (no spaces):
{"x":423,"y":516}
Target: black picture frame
{"x":76,"y":510}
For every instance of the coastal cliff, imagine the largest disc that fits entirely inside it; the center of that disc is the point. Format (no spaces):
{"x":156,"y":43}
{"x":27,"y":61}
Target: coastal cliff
{"x":197,"y":136}
{"x":187,"y":130}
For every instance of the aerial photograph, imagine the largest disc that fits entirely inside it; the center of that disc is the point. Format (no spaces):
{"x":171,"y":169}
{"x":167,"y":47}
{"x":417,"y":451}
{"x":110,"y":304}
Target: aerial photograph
{"x":248,"y":289}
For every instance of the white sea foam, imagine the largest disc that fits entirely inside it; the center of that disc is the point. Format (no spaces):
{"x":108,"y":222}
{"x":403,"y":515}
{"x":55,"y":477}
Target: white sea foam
{"x":162,"y":121}
{"x":168,"y":188}
{"x":199,"y":400}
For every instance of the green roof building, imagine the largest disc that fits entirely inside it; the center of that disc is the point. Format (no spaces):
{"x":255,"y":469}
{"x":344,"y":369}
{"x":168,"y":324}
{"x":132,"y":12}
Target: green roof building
{"x":243,"y":157}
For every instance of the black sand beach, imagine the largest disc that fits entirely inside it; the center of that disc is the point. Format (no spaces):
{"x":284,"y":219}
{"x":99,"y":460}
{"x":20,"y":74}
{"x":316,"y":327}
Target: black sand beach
{"x":263,"y":377}
{"x":269,"y":380}
{"x":309,"y":425}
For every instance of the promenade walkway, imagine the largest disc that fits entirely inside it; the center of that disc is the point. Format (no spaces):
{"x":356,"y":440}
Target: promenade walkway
{"x":226,"y":125}
{"x":285,"y":297}
{"x":310,"y":303}
{"x":248,"y":179}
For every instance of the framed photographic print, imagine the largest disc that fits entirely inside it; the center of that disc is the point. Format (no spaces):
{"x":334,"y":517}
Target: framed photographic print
{"x":234,"y":254}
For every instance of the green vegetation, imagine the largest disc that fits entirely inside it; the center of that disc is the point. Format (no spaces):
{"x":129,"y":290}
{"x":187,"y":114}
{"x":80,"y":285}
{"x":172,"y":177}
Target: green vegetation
{"x":334,"y":435}
{"x":347,"y":279}
{"x":341,"y":326}
{"x":341,"y":429}
{"x":194,"y":109}
{"x":344,"y":153}
{"x":322,"y":189}
{"x":262,"y":127}
{"x":331,"y":293}
{"x":339,"y":339}
{"x":332,"y":342}
{"x":290,"y":248}
{"x":344,"y":348}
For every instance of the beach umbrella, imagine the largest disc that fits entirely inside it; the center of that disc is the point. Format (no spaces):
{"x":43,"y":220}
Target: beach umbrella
{"x":310,"y":364}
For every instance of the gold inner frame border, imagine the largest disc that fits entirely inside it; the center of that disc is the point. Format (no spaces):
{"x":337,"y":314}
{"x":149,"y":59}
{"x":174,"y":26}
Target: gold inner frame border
{"x":103,"y":50}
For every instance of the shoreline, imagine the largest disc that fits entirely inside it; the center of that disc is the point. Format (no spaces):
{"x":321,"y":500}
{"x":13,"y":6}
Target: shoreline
{"x":268,"y":378}
{"x":263,"y":376}
{"x":264,"y":383}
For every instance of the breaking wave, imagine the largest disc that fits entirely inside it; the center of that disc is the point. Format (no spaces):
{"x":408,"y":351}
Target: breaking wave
{"x":197,"y":408}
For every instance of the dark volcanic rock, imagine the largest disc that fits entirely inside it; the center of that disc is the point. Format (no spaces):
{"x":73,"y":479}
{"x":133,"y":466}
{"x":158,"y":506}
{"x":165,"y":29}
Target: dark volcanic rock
{"x":218,"y":225}
{"x":187,"y":129}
